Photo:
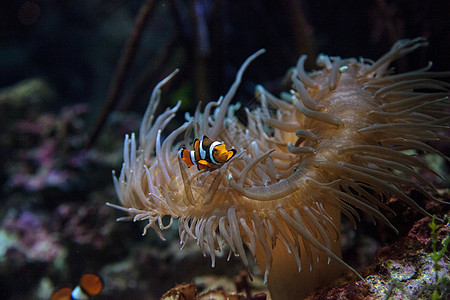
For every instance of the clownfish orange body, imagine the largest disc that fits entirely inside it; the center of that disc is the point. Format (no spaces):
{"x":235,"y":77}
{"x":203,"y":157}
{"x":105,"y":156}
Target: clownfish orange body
{"x":207,"y":154}
{"x":90,"y":285}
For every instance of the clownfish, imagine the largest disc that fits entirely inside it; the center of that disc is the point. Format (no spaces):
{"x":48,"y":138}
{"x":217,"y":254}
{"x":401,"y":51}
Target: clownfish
{"x":90,"y":285}
{"x":207,"y":154}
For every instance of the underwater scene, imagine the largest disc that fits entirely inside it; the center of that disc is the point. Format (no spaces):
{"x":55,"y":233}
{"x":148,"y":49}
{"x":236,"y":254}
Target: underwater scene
{"x":247,"y":150}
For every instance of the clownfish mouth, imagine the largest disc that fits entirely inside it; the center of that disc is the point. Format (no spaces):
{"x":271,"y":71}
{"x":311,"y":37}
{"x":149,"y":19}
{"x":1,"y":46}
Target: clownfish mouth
{"x":207,"y":154}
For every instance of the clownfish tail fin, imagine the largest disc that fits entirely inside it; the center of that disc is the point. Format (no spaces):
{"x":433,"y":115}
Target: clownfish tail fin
{"x":185,"y":156}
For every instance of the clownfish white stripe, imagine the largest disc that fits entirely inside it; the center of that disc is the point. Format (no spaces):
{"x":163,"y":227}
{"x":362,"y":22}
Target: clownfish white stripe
{"x":211,"y":149}
{"x":202,"y":151}
{"x":192,"y":153}
{"x":79,"y":294}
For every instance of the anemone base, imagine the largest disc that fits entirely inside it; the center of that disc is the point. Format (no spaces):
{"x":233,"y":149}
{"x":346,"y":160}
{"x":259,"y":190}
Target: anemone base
{"x":286,"y":282}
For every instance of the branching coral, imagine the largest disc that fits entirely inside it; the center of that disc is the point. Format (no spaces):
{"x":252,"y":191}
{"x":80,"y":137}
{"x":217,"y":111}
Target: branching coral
{"x":333,"y":144}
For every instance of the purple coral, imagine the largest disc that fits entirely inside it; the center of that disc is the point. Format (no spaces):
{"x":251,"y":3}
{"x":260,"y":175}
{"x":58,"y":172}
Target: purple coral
{"x":49,"y":148}
{"x":83,"y":225}
{"x":34,"y":241}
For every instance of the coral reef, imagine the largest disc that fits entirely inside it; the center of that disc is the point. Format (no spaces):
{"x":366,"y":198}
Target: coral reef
{"x":53,"y":212}
{"x":211,"y":287}
{"x":403,"y":269}
{"x":27,"y":249}
{"x":50,"y":142}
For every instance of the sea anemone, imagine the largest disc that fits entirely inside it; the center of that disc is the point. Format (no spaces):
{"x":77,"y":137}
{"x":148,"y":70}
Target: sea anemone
{"x":335,"y":143}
